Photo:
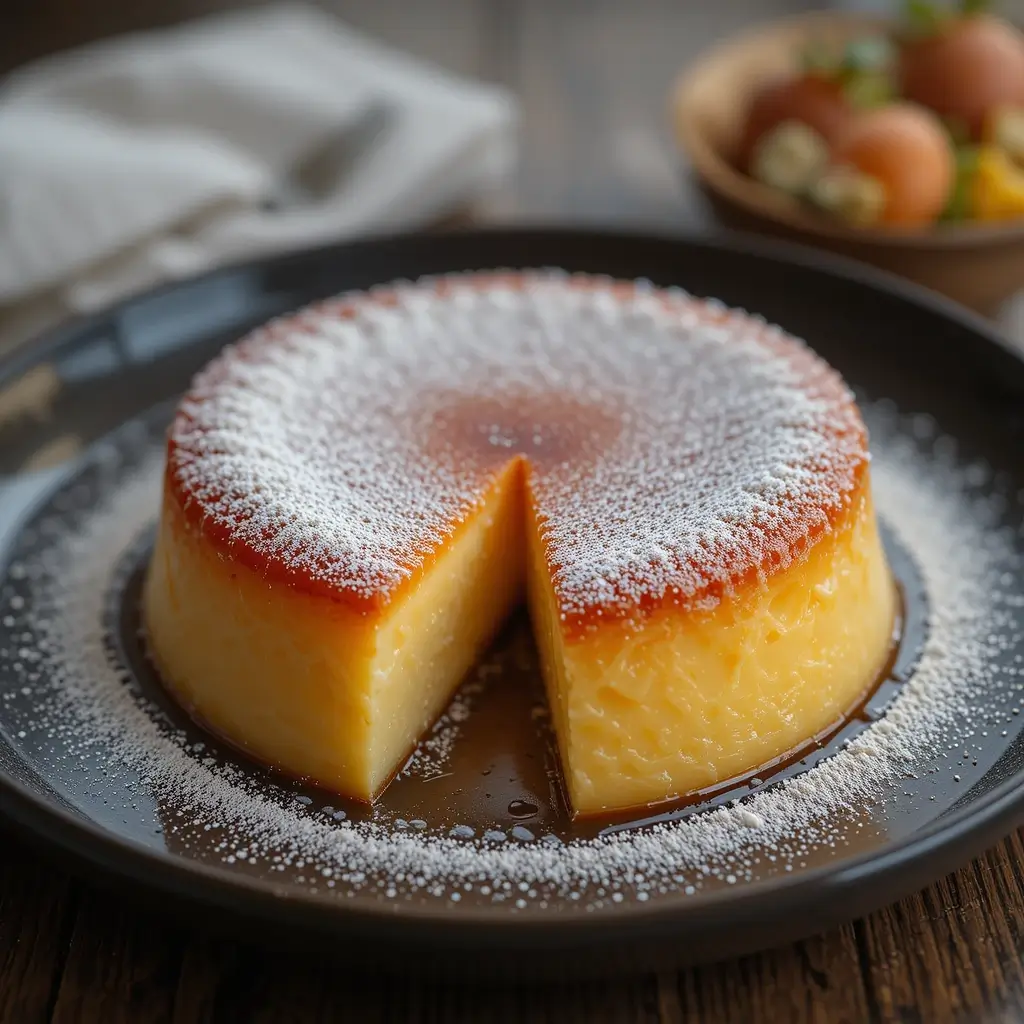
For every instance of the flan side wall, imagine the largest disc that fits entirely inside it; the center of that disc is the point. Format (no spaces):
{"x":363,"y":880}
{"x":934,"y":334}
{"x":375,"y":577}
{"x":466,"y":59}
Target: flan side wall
{"x":679,"y":702}
{"x":310,"y":685}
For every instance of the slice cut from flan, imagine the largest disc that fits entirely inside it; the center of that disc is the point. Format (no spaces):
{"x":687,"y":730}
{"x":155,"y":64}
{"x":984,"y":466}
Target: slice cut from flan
{"x":357,"y":497}
{"x":314,"y":686}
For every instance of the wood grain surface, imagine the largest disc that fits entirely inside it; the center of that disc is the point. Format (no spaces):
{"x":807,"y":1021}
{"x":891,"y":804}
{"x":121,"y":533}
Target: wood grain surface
{"x":592,"y":76}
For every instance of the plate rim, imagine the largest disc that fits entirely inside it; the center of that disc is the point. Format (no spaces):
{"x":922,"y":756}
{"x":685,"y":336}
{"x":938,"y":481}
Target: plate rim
{"x":950,"y":840}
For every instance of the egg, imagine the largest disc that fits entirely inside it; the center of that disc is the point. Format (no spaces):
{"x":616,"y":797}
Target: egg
{"x":905,"y":148}
{"x":964,"y":69}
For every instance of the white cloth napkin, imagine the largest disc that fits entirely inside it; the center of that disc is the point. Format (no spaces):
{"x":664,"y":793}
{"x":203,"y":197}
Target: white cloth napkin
{"x":162,"y":154}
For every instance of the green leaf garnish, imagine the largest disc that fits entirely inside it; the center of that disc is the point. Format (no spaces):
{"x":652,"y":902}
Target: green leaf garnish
{"x":958,"y":207}
{"x":925,"y":18}
{"x":868,"y":53}
{"x":864,"y":91}
{"x":818,"y":57}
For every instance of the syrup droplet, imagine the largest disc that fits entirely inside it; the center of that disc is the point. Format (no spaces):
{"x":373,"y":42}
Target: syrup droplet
{"x":522,"y":809}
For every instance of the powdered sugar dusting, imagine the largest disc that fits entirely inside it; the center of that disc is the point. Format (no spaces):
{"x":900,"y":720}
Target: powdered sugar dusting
{"x":674,"y":446}
{"x":79,"y":703}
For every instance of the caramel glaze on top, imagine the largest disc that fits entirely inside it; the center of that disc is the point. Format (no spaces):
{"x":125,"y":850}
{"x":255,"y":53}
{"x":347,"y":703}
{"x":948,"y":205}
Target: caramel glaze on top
{"x":674,"y":451}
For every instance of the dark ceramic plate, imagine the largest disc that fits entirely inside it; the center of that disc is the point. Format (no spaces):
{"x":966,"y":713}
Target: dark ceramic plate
{"x":83,"y":408}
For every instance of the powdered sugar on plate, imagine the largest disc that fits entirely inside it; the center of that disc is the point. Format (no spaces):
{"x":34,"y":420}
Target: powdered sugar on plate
{"x":68,"y":692}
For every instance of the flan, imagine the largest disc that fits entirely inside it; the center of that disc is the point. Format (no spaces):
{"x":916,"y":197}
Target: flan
{"x":358,"y":495}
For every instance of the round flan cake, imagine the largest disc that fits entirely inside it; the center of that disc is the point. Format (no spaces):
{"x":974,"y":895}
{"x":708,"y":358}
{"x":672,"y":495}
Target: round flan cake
{"x":358,"y":495}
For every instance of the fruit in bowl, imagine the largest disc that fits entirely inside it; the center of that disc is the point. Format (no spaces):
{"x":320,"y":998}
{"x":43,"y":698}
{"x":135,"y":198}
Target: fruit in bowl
{"x":906,"y":127}
{"x":964,"y":66}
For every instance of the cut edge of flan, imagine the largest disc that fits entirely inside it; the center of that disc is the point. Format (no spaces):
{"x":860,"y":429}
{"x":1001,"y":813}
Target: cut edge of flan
{"x":668,"y":706}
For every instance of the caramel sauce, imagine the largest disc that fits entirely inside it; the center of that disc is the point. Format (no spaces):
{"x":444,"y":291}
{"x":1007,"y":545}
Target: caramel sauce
{"x":543,"y":429}
{"x":503,"y":772}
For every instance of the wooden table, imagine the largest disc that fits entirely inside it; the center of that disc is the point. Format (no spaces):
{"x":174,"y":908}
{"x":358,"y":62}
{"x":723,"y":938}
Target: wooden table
{"x":592,"y":76}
